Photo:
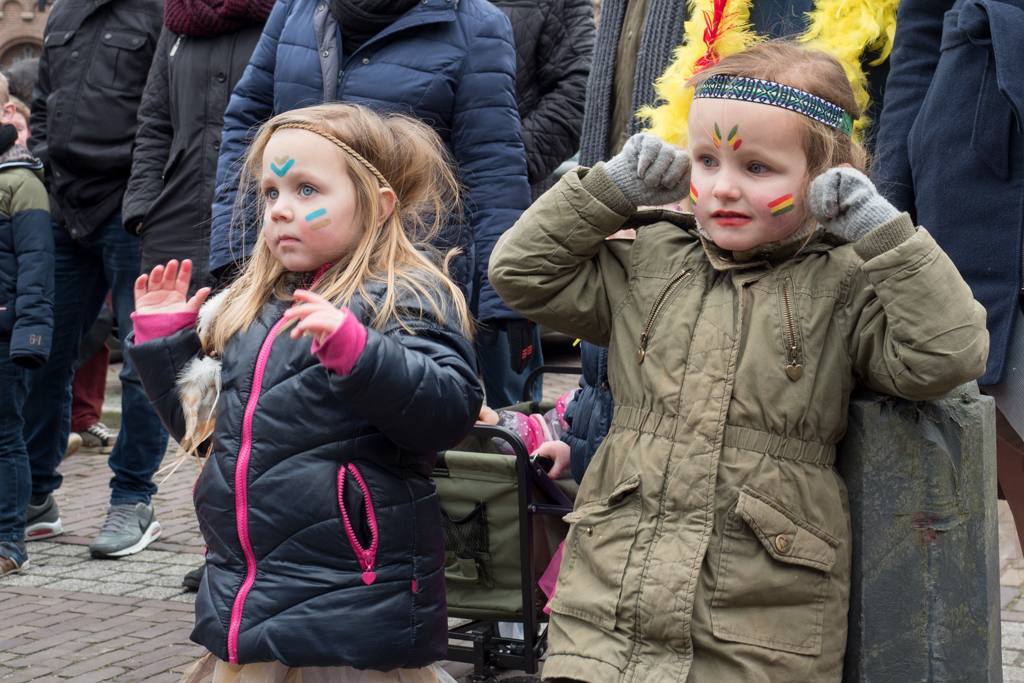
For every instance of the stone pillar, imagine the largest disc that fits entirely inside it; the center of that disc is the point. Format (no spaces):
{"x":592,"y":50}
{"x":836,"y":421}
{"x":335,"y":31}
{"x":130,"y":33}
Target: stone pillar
{"x":924,"y":601}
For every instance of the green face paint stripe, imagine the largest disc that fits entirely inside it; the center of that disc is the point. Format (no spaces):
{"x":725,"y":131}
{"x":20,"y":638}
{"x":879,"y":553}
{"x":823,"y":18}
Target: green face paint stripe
{"x":717,"y":136}
{"x":316,"y":214}
{"x":732,"y":133}
{"x":320,"y":224}
{"x":785,"y":209}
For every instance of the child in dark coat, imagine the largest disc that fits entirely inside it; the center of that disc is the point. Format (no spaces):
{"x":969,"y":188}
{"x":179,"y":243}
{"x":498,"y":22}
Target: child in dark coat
{"x":26,"y":320}
{"x":325,"y":550}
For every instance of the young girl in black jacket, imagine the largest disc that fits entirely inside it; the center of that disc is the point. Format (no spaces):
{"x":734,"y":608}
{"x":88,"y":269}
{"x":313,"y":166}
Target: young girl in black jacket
{"x":324,"y":538}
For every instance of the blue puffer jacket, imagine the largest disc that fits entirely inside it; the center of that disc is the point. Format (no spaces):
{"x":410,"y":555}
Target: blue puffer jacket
{"x":322,"y":527}
{"x":450,"y":63}
{"x":590,"y":413}
{"x":26,"y":257}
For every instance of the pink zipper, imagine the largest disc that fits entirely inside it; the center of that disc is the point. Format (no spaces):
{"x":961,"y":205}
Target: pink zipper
{"x":367,"y":556}
{"x":241,"y":482}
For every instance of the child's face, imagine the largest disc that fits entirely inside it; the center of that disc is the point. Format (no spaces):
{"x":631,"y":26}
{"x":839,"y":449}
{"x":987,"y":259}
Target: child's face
{"x":22,"y":126}
{"x":749,"y":172}
{"x":311,"y":216}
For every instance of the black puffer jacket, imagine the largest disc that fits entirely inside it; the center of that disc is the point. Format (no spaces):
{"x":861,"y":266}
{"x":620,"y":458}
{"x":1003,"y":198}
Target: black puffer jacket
{"x":554,"y":46}
{"x":174,"y":172}
{"x":96,"y":55}
{"x":268,"y":500}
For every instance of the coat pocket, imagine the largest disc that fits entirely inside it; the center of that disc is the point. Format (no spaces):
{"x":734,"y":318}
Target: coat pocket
{"x":601,"y":534}
{"x":359,"y":519}
{"x":773,"y":577}
{"x":118,"y":63}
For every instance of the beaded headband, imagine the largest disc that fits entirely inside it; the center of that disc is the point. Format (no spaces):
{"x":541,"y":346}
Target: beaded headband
{"x":776,"y":95}
{"x":356,"y":155}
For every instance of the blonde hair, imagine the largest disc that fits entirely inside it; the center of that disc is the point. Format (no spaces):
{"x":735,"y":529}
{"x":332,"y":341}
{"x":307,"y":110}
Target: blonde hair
{"x":5,"y":93}
{"x":809,"y":70}
{"x":413,"y":161}
{"x":21,"y":108}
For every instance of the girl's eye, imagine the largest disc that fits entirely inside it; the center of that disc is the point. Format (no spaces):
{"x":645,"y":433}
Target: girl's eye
{"x":307,"y":191}
{"x":708,"y":162}
{"x":272,"y":195}
{"x":758,"y":169}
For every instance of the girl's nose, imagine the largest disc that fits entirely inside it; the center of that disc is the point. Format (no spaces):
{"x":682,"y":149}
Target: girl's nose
{"x":281,"y":211}
{"x":726,"y":187}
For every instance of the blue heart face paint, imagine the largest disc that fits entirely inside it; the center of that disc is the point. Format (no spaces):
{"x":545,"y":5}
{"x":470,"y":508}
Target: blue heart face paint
{"x":280,"y":165}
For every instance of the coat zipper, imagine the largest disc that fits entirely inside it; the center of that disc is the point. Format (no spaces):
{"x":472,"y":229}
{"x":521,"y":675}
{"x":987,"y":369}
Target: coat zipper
{"x":174,"y":48}
{"x":794,"y":369}
{"x":641,"y":352}
{"x":241,"y":482}
{"x":367,"y":556}
{"x":241,"y":492}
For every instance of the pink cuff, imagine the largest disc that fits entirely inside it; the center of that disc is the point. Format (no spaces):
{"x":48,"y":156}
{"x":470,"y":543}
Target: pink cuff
{"x":150,"y":326}
{"x":341,"y":349}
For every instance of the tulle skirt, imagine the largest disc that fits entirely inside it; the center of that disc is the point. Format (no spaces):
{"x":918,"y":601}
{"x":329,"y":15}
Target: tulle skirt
{"x":209,"y":669}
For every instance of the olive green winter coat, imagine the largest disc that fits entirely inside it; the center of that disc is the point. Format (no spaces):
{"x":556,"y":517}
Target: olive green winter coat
{"x":711,"y":537}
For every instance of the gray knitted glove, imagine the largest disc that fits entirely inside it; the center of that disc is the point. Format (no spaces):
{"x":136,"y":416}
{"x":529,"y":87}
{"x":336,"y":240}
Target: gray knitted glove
{"x":649,"y":171}
{"x":847,"y":203}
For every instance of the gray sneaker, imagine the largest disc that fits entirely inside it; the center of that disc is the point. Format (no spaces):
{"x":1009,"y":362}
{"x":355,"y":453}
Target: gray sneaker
{"x":128,"y":530}
{"x":43,"y":521}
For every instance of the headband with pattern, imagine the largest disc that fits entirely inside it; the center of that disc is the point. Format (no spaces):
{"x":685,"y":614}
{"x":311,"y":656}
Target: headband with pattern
{"x":356,"y":155}
{"x":777,"y":95}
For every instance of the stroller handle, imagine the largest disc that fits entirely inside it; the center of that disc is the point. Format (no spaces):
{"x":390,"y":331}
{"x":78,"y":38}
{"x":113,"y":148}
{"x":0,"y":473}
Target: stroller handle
{"x":555,"y":369}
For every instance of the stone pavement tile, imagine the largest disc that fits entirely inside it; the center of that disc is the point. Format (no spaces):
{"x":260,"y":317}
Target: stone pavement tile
{"x":104,"y":674}
{"x":97,"y":662}
{"x":157,"y":667}
{"x":157,"y":592}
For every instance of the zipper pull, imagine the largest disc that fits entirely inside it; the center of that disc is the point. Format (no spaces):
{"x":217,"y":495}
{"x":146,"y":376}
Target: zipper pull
{"x":642,"y":351}
{"x":174,"y":48}
{"x":794,"y":370}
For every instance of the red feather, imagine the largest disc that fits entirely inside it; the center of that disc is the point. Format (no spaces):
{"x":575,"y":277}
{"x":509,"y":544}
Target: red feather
{"x":715,"y":24}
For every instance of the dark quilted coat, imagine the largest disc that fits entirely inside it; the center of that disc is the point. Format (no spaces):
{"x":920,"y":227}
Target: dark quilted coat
{"x":589,"y":415}
{"x":554,"y":47}
{"x":174,"y":169}
{"x":407,"y":397}
{"x":951,"y":145}
{"x":450,"y":63}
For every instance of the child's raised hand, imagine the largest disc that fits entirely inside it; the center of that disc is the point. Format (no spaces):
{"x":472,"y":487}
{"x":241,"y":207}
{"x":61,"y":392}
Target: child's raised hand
{"x":649,"y":171}
{"x":847,"y":204}
{"x":165,"y":290}
{"x":316,"y":315}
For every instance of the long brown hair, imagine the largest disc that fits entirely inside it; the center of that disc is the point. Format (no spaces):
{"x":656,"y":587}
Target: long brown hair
{"x":809,"y":70}
{"x":414,"y":162}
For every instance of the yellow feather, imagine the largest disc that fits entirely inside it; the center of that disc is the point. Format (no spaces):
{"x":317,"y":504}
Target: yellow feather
{"x":842,"y":28}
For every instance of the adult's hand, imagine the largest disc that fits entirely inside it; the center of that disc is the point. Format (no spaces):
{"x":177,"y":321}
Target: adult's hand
{"x":165,"y":290}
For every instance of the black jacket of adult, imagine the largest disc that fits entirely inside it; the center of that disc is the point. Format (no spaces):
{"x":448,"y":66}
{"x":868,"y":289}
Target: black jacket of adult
{"x":950,"y":147}
{"x":174,"y":173}
{"x":323,"y":458}
{"x":95,"y":59}
{"x":554,"y":42}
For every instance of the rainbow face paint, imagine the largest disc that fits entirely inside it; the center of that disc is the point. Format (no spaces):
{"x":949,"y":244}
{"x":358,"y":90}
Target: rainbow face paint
{"x":319,"y":224}
{"x":693,"y":195}
{"x":716,"y":135}
{"x":782,"y":205}
{"x":280,"y":165}
{"x":733,"y":140}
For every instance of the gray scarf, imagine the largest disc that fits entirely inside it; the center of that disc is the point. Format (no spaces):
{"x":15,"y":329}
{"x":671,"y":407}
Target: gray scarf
{"x":663,"y":32}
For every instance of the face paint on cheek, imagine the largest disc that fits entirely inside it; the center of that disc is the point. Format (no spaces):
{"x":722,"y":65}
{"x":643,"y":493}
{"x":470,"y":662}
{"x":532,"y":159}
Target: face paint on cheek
{"x":319,"y":224}
{"x":782,"y":205}
{"x":716,"y":135}
{"x":280,"y":165}
{"x":693,"y":195}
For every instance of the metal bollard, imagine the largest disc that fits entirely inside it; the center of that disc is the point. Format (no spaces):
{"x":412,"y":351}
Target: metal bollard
{"x":924,"y":599}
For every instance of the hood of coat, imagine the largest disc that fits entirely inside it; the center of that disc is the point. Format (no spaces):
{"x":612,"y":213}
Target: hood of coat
{"x":17,"y":156}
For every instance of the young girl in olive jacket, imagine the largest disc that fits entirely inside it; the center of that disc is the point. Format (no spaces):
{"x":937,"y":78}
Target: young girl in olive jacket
{"x":711,"y":535}
{"x":329,"y":376}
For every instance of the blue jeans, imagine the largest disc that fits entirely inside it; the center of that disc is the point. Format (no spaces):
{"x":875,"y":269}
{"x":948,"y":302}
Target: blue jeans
{"x":502,"y":386}
{"x":15,"y":479}
{"x":86,"y":269}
